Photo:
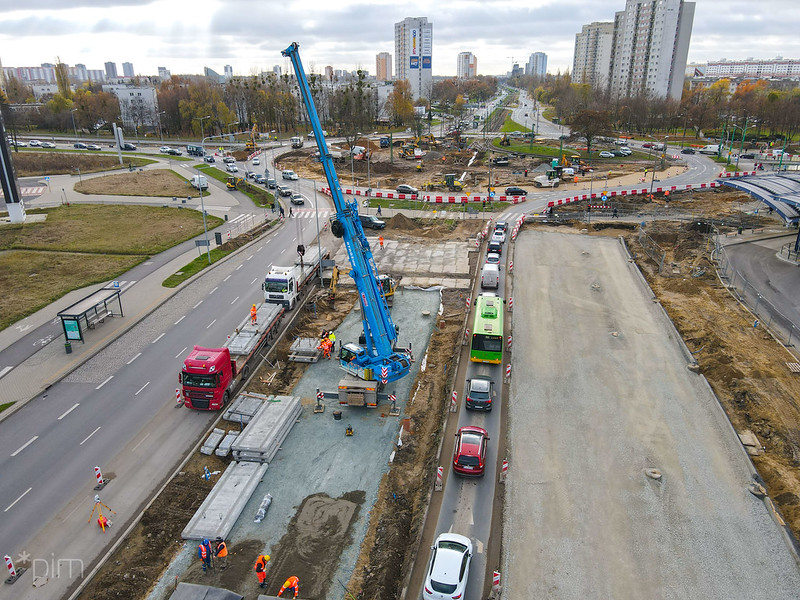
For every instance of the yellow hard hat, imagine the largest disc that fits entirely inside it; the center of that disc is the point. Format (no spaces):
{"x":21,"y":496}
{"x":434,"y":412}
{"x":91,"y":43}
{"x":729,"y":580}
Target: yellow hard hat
{"x":254,"y":305}
{"x":266,"y":556}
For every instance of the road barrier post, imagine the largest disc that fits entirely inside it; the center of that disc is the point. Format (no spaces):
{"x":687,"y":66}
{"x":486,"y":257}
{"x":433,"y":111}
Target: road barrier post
{"x":101,"y":481}
{"x":508,"y":373}
{"x":178,"y":399}
{"x":511,"y":304}
{"x":454,"y":402}
{"x":508,"y":343}
{"x":466,"y":337}
{"x":13,"y":572}
{"x":496,"y":582}
{"x":504,"y":471}
{"x":439,"y":474}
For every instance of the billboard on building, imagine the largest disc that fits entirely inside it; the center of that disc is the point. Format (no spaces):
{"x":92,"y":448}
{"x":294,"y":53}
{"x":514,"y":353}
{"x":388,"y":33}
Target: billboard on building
{"x":414,"y":62}
{"x":426,"y":62}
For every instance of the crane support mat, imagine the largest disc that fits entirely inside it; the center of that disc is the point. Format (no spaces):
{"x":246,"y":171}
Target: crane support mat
{"x":305,"y":350}
{"x":261,"y":439}
{"x":226,"y":443}
{"x":213,"y":441}
{"x":225,"y":502}
{"x":245,"y":406}
{"x":194,"y":591}
{"x":247,"y":335}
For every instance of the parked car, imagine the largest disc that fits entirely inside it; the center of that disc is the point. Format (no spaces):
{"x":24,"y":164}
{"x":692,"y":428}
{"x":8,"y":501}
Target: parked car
{"x":48,"y":145}
{"x":79,"y":145}
{"x":448,"y":570}
{"x":371,"y":222}
{"x":174,"y":152}
{"x":164,"y":149}
{"x":256,"y":161}
{"x":271,"y":183}
{"x":93,"y":147}
{"x":34,"y":143}
{"x":231,"y":168}
{"x":297,"y":198}
{"x":480,"y":392}
{"x":688,"y":151}
{"x":469,"y":454}
{"x":606,"y":154}
{"x":404,"y":188}
{"x":209,"y":159}
{"x":516,"y":191}
{"x":625,"y":151}
{"x":284,"y":191}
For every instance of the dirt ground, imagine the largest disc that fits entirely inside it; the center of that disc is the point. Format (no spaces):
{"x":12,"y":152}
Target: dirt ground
{"x":744,"y":365}
{"x":158,"y":182}
{"x":320,"y":529}
{"x":31,"y":164}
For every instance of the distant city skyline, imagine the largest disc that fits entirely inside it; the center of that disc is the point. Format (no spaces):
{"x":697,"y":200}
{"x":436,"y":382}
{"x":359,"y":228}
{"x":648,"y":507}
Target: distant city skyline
{"x":348,"y":34}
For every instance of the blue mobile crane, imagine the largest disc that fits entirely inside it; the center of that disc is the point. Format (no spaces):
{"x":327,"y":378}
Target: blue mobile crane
{"x":378,"y":358}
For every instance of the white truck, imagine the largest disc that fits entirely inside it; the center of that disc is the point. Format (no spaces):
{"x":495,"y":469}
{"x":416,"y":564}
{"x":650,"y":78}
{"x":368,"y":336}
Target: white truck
{"x":549,"y":180}
{"x":710,"y":149}
{"x":199,"y":182}
{"x":283,"y":285}
{"x":297,"y":142}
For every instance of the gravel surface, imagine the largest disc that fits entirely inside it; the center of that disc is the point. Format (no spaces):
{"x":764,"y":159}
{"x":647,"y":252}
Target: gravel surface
{"x":600,"y":393}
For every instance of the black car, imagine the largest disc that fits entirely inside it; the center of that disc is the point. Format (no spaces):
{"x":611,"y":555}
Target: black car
{"x":688,"y":151}
{"x":174,"y":152}
{"x":480,"y":391}
{"x":79,"y":145}
{"x":750,"y":155}
{"x":271,"y":183}
{"x":495,"y":246}
{"x":516,"y":191}
{"x":128,"y":146}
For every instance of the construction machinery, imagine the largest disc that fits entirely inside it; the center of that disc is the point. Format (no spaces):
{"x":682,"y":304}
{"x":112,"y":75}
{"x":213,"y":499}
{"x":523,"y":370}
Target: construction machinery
{"x":505,"y":141}
{"x":550,"y":179}
{"x":251,"y":144}
{"x":378,"y":358}
{"x":450,"y":182}
{"x":233,"y":183}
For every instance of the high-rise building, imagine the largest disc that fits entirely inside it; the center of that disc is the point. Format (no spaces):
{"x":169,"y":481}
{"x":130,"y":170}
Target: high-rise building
{"x":163,"y":73}
{"x":383,"y":66}
{"x":277,"y":70}
{"x":329,"y":73}
{"x":228,"y":72}
{"x":111,"y":70}
{"x":466,"y":65}
{"x":651,"y":43}
{"x":591,"y":62}
{"x":127,"y":69}
{"x":413,"y":48}
{"x":537,"y":65}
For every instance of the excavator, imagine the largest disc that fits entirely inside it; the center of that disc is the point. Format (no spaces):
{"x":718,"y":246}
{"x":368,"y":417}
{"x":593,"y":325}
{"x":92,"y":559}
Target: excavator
{"x":251,"y":144}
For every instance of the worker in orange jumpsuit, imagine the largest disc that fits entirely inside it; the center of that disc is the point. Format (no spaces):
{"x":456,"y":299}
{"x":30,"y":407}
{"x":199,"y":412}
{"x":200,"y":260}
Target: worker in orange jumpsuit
{"x":253,"y":314}
{"x":325,"y":345}
{"x":293,"y":584}
{"x":261,"y":569}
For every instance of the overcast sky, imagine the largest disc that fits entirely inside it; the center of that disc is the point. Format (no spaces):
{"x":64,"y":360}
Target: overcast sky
{"x":186,"y":35}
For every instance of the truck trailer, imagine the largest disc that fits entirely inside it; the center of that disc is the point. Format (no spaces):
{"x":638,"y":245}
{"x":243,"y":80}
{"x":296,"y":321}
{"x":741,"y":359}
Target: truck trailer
{"x":211,"y":376}
{"x":283,"y":285}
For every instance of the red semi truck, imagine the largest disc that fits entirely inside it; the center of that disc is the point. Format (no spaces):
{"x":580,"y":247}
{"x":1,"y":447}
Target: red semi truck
{"x":211,"y":376}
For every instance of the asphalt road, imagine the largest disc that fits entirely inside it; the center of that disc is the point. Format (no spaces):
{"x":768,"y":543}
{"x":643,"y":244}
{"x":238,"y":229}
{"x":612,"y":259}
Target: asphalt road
{"x":600,"y":393}
{"x":117,"y":411}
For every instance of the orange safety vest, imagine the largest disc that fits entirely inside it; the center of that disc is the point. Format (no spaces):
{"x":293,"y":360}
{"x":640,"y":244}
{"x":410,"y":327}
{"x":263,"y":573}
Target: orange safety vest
{"x":261,"y":564}
{"x":203,"y":551}
{"x":253,"y":312}
{"x":292,"y":582}
{"x":222,"y":550}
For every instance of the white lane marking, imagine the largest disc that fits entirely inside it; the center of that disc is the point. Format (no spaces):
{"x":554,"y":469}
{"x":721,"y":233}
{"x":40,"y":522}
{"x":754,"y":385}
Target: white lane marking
{"x":210,"y":324}
{"x":7,"y":369}
{"x":260,"y":248}
{"x":251,"y":283}
{"x":234,"y":300}
{"x":181,"y":352}
{"x":109,"y":378}
{"x":86,"y":439}
{"x":251,"y":256}
{"x":141,"y":388}
{"x":479,"y":546}
{"x":239,"y":267}
{"x":141,"y":441}
{"x":214,"y":290}
{"x":74,"y":406}
{"x":294,"y":239}
{"x":25,"y":445}
{"x":198,"y":304}
{"x":134,"y":358}
{"x":72,"y":512}
{"x":179,"y":320}
{"x":226,"y":279}
{"x":284,"y":250}
{"x":158,"y":338}
{"x":18,"y":499}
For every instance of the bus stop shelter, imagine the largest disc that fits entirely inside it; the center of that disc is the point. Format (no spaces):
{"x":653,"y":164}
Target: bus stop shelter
{"x":88,"y":312}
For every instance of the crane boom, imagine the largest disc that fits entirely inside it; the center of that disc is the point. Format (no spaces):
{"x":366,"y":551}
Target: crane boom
{"x":378,"y":358}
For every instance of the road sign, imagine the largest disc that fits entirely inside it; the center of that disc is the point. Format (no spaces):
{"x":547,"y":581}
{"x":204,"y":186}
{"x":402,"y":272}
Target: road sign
{"x":47,"y":179}
{"x":491,"y":194}
{"x":603,"y":197}
{"x":201,"y":243}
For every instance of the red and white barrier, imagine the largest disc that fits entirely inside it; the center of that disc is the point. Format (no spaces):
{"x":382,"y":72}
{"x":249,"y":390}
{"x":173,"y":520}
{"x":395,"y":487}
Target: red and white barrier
{"x":726,"y":174}
{"x":466,"y":338}
{"x":634,"y":192}
{"x":178,"y":397}
{"x":508,"y":343}
{"x":496,"y":581}
{"x":454,"y":402}
{"x":439,"y":476}
{"x":469,"y":300}
{"x":12,"y":572}
{"x":429,"y":199}
{"x":510,"y":266}
{"x":511,"y":304}
{"x":98,"y":474}
{"x":504,"y":469}
{"x":508,"y":372}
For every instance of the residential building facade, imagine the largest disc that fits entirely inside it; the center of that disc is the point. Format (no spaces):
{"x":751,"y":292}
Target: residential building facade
{"x":383,"y":66}
{"x":537,"y":65}
{"x":466,"y":65}
{"x":413,"y":49}
{"x":111,"y":70}
{"x":591,"y":62}
{"x":127,"y":69}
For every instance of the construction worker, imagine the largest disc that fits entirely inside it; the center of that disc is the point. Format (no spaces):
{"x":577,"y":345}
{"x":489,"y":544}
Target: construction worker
{"x":332,"y":336}
{"x":221,"y":552}
{"x":261,"y":569}
{"x":253,"y":315}
{"x":380,"y":241}
{"x":293,"y":584}
{"x":204,"y":553}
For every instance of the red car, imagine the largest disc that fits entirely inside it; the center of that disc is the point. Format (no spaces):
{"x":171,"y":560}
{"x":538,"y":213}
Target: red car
{"x":469,"y":456}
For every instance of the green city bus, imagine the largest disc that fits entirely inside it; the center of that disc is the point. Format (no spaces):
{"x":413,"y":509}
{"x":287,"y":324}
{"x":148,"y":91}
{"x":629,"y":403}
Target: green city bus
{"x":487,"y":330}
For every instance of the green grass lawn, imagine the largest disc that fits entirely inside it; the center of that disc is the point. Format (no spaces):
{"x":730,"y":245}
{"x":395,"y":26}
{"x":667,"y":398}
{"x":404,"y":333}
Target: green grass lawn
{"x":260,"y":196}
{"x":511,"y":125}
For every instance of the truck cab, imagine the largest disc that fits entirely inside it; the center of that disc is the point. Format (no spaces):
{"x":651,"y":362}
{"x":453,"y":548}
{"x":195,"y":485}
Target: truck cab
{"x":297,"y":142}
{"x":206,"y":378}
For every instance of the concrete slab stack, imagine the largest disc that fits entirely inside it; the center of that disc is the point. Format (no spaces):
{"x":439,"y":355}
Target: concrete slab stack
{"x":261,"y":439}
{"x":213,"y":441}
{"x":245,"y":406}
{"x":226,"y":443}
{"x":223,"y":505}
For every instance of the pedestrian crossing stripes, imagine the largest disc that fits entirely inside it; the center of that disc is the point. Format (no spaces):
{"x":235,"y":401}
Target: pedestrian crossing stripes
{"x":29,"y":191}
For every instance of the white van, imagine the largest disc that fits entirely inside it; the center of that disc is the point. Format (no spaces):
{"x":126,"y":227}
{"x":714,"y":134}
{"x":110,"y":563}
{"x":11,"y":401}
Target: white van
{"x":289,"y":174}
{"x":490,"y":276}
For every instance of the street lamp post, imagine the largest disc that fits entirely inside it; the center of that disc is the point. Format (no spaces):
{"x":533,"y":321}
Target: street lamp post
{"x":160,"y":131}
{"x":75,"y":129}
{"x":199,"y":172}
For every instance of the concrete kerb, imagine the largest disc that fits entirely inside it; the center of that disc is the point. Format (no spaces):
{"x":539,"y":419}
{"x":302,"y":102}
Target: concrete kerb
{"x":791,"y":541}
{"x":112,"y":336}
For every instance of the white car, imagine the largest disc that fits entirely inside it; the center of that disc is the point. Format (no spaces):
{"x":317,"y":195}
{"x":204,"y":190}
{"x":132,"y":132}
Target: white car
{"x":606,"y":154}
{"x":498,"y":236}
{"x":164,"y":149}
{"x":448,"y":570}
{"x":34,"y":143}
{"x":625,"y":151}
{"x":256,"y":161}
{"x":231,"y":168}
{"x":48,"y":145}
